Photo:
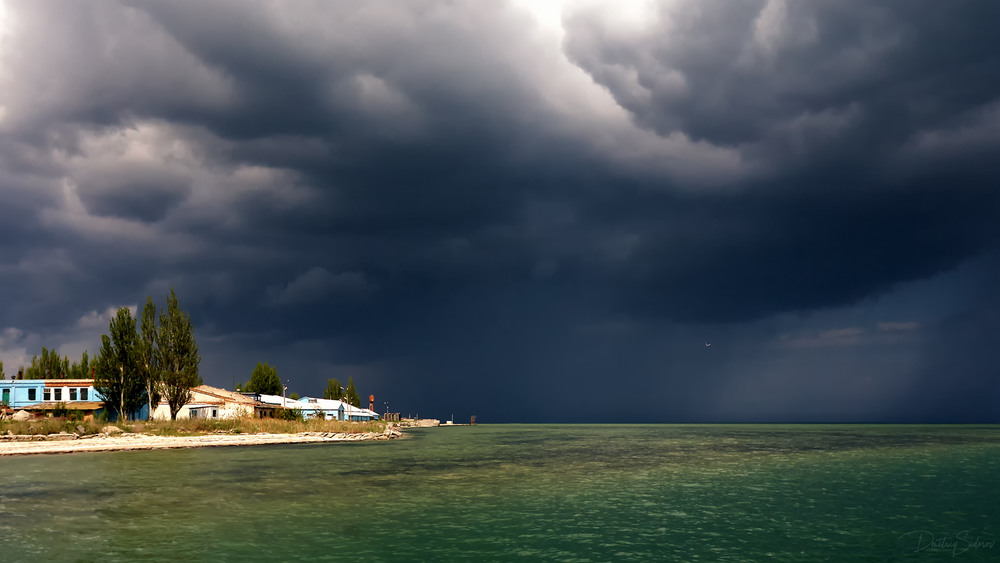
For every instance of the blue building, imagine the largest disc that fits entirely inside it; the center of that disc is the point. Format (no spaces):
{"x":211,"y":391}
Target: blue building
{"x":21,"y":393}
{"x":41,"y":395}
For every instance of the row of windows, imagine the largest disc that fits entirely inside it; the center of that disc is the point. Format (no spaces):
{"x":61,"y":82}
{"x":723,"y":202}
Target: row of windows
{"x":56,"y":394}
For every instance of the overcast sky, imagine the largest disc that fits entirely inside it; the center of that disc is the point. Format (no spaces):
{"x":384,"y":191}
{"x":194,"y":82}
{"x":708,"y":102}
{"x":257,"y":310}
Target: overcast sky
{"x":527,"y":211}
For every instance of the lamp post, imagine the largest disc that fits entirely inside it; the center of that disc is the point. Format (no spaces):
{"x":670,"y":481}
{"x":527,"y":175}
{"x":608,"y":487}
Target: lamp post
{"x":284,"y":387}
{"x":121,"y":407}
{"x":386,"y":403}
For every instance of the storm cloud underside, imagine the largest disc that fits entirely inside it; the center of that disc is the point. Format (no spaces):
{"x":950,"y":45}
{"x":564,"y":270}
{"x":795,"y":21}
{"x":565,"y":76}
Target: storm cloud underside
{"x":474,"y":210}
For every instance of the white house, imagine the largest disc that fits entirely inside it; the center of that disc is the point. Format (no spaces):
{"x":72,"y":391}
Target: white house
{"x":210,"y":402}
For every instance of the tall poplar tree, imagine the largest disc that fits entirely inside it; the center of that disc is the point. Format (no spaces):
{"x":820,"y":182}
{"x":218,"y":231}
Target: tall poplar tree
{"x":178,"y":355}
{"x":149,"y":356}
{"x":333,"y":389}
{"x":117,"y":375}
{"x":352,"y":393}
{"x":81,"y":369}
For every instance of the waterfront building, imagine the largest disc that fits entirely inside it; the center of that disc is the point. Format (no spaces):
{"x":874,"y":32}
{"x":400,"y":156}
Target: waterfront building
{"x":311,"y":407}
{"x":47,"y":395}
{"x":42,"y":396}
{"x":20,"y":393}
{"x":211,"y":402}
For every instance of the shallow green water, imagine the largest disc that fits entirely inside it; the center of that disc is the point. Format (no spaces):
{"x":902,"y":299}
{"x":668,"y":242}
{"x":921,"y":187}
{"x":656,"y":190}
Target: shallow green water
{"x":524,"y":492}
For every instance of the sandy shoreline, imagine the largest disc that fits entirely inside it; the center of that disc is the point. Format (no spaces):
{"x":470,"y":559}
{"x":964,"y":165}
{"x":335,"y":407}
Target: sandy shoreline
{"x":127,"y":442}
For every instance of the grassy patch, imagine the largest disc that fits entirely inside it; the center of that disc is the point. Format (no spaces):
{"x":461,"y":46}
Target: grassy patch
{"x":254,"y":426}
{"x":190,"y":426}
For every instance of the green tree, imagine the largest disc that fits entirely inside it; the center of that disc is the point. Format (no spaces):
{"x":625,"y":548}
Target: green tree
{"x":333,"y":389}
{"x":294,"y":396}
{"x":352,"y":393}
{"x":48,"y":366}
{"x":1,"y":370}
{"x":179,"y":357}
{"x":149,"y":356}
{"x":264,"y":379}
{"x":117,"y":376}
{"x":81,"y":369}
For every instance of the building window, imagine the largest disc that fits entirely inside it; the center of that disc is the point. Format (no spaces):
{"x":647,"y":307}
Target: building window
{"x":72,"y":393}
{"x":31,"y":394}
{"x":215,"y":413}
{"x":83,"y":394}
{"x":58,"y":393}
{"x":46,"y":394}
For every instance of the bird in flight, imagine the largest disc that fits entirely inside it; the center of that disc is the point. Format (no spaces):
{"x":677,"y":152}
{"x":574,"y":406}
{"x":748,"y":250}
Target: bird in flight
{"x":707,"y":344}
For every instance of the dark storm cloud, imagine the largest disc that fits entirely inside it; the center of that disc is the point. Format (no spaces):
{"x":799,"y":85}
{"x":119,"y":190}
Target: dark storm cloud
{"x":958,"y":378}
{"x":801,"y":251}
{"x":438,"y":190}
{"x":144,"y":197}
{"x":832,"y":103}
{"x":787,"y":72}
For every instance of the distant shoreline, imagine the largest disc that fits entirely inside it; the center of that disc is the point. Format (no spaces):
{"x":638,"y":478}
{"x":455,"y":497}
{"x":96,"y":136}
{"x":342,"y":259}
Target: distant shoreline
{"x":68,"y":443}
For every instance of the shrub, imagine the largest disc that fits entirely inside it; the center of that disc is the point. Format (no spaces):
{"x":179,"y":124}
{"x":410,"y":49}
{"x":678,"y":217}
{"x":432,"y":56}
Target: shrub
{"x":60,"y":410}
{"x":289,"y":414}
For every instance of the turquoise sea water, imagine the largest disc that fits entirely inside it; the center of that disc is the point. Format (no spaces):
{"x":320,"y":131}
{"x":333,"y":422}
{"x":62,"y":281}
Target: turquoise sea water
{"x":527,"y":493}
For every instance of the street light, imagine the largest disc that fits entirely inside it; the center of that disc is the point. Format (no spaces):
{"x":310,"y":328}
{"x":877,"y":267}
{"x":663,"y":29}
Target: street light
{"x":386,"y":403}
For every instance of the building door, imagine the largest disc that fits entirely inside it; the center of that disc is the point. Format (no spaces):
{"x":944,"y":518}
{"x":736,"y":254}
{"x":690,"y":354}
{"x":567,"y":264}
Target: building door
{"x":6,"y":397}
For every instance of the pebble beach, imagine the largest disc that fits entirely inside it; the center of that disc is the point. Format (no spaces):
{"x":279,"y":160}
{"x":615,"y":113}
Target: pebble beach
{"x":72,"y":443}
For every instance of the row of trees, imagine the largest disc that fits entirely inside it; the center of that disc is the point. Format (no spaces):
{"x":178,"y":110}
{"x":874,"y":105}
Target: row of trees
{"x":349,"y":394}
{"x":142,"y":363}
{"x":264,"y":379}
{"x":52,"y":366}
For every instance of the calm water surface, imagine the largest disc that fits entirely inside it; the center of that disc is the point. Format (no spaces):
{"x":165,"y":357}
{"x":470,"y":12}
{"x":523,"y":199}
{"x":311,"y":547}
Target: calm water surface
{"x":525,"y":492}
